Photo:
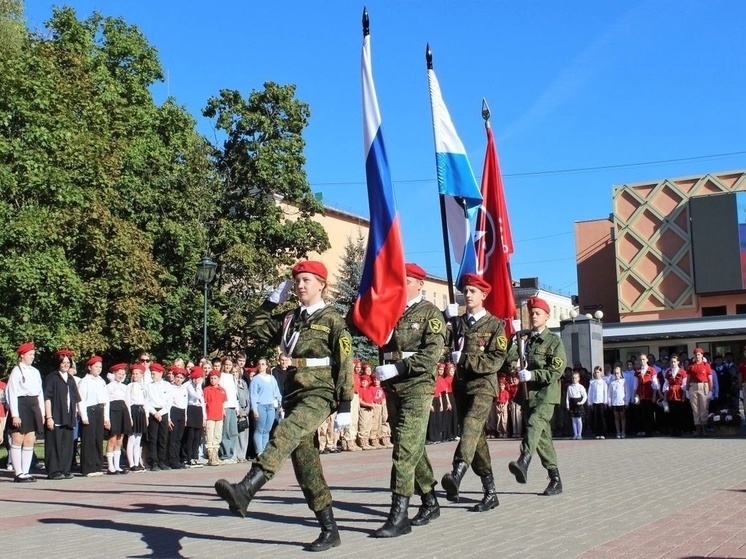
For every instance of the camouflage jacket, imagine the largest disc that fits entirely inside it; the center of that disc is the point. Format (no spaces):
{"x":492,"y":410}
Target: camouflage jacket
{"x":420,"y":330}
{"x":546,"y":360}
{"x":483,"y":348}
{"x":323,"y":334}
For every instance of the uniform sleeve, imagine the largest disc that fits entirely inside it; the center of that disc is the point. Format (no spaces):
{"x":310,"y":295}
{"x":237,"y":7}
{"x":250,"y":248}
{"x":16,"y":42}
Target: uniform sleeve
{"x":511,"y":355}
{"x":82,"y":409}
{"x":266,"y":327}
{"x":11,"y":391}
{"x":342,"y":368}
{"x":490,"y":360}
{"x":551,"y":370}
{"x":432,"y":342}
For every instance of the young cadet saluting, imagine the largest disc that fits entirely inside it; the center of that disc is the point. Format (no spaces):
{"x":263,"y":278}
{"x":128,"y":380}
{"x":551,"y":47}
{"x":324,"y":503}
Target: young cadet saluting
{"x":314,"y":335}
{"x":479,"y":345}
{"x":408,"y":379}
{"x":544,"y":364}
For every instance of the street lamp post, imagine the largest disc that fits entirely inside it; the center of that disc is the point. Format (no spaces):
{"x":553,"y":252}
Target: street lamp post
{"x":206,"y":273}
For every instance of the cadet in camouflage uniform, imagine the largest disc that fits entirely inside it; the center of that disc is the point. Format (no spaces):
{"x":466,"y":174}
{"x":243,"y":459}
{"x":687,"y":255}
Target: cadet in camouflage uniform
{"x":316,"y":338}
{"x":408,"y":379}
{"x":541,"y":372}
{"x":479,"y":347}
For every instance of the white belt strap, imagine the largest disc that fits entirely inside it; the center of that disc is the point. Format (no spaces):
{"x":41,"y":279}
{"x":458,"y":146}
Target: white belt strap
{"x":397,"y":355}
{"x":311,"y":362}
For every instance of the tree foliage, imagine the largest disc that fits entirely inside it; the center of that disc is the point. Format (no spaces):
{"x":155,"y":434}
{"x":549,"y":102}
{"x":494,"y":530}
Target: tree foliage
{"x":344,"y":293}
{"x":109,"y":199}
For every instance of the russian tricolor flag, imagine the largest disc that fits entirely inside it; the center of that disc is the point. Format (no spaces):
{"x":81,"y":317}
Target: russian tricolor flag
{"x":456,"y":182}
{"x":382,"y":296}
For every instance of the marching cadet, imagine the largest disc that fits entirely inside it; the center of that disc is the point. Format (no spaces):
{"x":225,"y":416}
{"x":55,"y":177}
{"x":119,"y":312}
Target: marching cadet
{"x":479,"y":347}
{"x":542,"y":366}
{"x":408,"y":380}
{"x":314,"y":335}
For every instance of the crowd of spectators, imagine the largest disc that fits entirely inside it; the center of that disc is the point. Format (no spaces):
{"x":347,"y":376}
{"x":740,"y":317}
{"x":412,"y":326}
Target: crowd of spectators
{"x":147,"y":416}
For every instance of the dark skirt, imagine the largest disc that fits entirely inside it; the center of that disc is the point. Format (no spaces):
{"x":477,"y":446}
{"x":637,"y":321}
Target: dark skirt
{"x":30,"y":415}
{"x":576,"y":409}
{"x":194,"y":417}
{"x":119,"y":419}
{"x":138,"y":419}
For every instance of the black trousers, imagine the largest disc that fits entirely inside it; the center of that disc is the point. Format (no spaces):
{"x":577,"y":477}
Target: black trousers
{"x":599,"y":420}
{"x":158,"y":440}
{"x":176,"y":436}
{"x":58,"y":450}
{"x":435,"y":423}
{"x":92,"y":441}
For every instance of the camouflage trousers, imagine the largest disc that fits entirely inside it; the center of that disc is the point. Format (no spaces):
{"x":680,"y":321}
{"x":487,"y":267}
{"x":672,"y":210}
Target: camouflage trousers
{"x":473,"y":412}
{"x":538,"y":434}
{"x":411,"y":471}
{"x":294,"y":437}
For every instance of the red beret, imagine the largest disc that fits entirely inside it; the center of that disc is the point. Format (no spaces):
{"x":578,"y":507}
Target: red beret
{"x":138,"y":367}
{"x":25,"y":348}
{"x":64,"y":353}
{"x":214,"y":373}
{"x":178,"y":370}
{"x":157,"y":368}
{"x":197,"y":372}
{"x":93,"y":360}
{"x":364,"y":377}
{"x":118,"y":366}
{"x":538,"y":303}
{"x":358,"y":362}
{"x":312,"y":267}
{"x":699,"y":350}
{"x":414,"y":271}
{"x":476,"y":281}
{"x":251,"y":369}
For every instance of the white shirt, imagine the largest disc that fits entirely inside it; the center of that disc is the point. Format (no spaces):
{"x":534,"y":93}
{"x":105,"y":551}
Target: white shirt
{"x":313,"y":308}
{"x":158,"y":394}
{"x":118,"y":391}
{"x":476,"y":315}
{"x":617,"y":392}
{"x":598,"y":391}
{"x":137,"y":395}
{"x":229,"y":384}
{"x":576,"y":391}
{"x":179,"y":396}
{"x":92,"y":392}
{"x":24,"y":380}
{"x":196,"y":397}
{"x":630,"y":387}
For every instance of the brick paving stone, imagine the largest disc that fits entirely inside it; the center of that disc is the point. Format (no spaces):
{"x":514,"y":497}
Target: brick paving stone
{"x":618,"y":502}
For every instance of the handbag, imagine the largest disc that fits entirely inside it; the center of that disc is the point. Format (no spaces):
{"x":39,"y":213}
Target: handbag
{"x":243,"y":424}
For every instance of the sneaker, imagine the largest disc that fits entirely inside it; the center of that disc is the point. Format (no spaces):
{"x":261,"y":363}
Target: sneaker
{"x":602,"y":438}
{"x":196,"y":464}
{"x":94,"y":474}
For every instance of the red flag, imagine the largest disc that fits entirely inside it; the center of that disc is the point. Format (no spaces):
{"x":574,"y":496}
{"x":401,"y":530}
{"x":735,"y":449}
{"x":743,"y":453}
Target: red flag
{"x":494,"y":242}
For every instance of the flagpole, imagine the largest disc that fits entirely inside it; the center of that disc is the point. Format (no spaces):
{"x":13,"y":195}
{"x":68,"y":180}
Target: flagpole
{"x":443,"y":220}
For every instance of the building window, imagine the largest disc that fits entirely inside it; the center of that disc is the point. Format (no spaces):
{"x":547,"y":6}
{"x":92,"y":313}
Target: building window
{"x":741,"y":309}
{"x":445,"y":301}
{"x":424,"y":294}
{"x":714,"y":311}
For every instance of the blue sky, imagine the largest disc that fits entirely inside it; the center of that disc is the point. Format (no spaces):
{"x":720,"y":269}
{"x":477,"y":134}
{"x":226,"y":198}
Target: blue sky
{"x":624,"y":85}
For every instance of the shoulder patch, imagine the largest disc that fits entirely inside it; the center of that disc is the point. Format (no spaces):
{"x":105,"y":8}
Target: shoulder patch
{"x":502,"y":342}
{"x":435,"y":324}
{"x":321,"y":327}
{"x":345,"y":345}
{"x":557,"y":362}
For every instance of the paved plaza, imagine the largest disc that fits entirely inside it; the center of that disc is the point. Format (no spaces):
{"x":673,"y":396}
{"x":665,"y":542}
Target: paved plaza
{"x":646,"y":497}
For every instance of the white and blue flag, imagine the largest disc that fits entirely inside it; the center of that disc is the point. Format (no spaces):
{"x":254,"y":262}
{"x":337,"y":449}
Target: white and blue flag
{"x":456,"y":182}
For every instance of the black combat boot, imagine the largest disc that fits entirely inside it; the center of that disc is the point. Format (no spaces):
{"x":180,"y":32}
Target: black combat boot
{"x":397,"y":524}
{"x":239,"y":495}
{"x":555,"y":483}
{"x":490,"y":500}
{"x":429,"y":510}
{"x":452,"y":481}
{"x":329,"y":536}
{"x":519,"y":468}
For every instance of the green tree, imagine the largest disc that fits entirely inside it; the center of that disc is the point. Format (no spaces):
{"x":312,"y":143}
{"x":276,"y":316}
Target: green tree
{"x":344,"y":294}
{"x":260,"y":162}
{"x":105,"y":195}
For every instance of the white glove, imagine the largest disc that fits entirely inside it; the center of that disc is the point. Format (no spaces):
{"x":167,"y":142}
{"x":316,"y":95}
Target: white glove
{"x":455,"y":357}
{"x":342,"y":421}
{"x":280,"y":293}
{"x":524,"y":375}
{"x":385,"y":372}
{"x":452,"y":310}
{"x":710,"y":395}
{"x":637,"y":399}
